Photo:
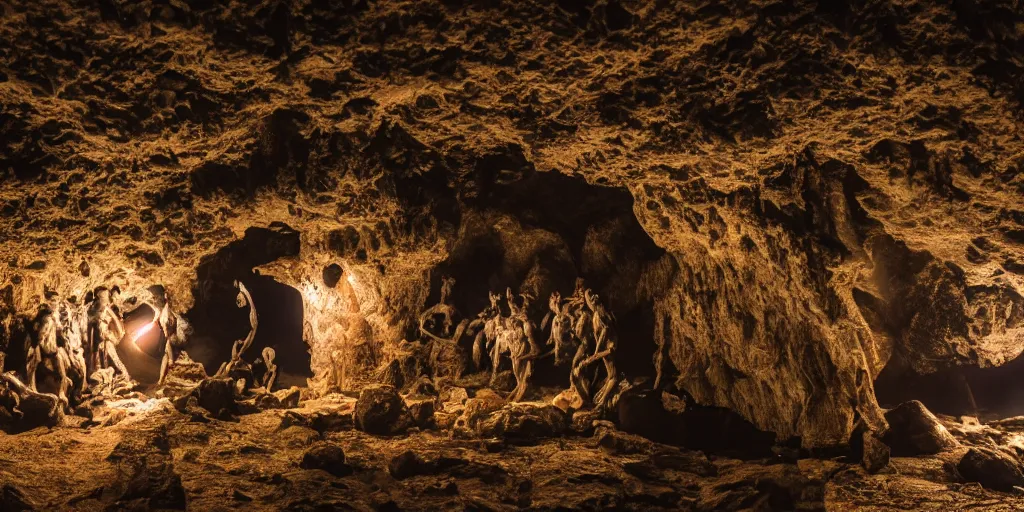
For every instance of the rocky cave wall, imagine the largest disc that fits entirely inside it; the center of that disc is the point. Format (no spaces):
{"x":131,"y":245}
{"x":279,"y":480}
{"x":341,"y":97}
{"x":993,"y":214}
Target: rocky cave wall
{"x":836,"y":186}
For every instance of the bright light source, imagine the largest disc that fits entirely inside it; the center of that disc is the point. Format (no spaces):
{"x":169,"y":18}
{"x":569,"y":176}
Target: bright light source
{"x":351,"y":278}
{"x":139,"y":333}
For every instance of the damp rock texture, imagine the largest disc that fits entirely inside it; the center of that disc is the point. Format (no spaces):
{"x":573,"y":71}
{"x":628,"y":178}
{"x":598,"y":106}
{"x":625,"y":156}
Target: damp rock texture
{"x":784,"y":197}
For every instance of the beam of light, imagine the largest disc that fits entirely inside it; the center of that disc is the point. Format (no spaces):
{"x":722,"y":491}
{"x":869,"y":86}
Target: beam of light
{"x":142,"y":331}
{"x":351,"y":278}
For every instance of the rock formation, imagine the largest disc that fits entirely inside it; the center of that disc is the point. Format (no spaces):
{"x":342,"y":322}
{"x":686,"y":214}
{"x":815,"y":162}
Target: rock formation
{"x":779,"y":199}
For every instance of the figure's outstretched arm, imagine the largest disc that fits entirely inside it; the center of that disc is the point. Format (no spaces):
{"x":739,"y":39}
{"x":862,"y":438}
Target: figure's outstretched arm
{"x":118,"y":324}
{"x":253,"y":321}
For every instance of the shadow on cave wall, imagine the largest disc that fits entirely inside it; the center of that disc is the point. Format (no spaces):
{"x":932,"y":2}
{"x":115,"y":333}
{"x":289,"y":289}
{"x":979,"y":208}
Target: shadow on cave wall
{"x":539,"y":233}
{"x":217,"y":320}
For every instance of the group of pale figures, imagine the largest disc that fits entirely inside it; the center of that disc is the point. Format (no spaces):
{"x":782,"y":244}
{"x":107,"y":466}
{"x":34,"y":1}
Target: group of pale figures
{"x":83,"y":338}
{"x":80,"y":338}
{"x":579,"y":330}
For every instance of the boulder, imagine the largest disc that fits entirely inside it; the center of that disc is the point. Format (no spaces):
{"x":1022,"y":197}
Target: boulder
{"x":261,"y":402}
{"x":484,"y":403}
{"x":445,"y":420}
{"x":217,"y":396}
{"x":992,"y":469}
{"x":524,"y":422}
{"x":320,"y":421}
{"x":568,"y":400}
{"x":423,"y":387}
{"x":504,"y":381}
{"x":186,"y":369}
{"x":422,"y":411}
{"x":407,"y":464}
{"x":380,"y":411}
{"x":617,"y":442}
{"x":876,"y":453}
{"x":289,"y":398}
{"x":39,"y":410}
{"x":455,"y":395}
{"x":914,"y":430}
{"x":328,"y":457}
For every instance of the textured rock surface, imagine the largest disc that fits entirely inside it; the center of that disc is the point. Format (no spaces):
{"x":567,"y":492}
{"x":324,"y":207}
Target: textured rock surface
{"x":156,"y":458}
{"x":824,"y":187}
{"x":381,"y":411}
{"x":328,"y":457}
{"x":991,"y":469}
{"x":914,"y":430}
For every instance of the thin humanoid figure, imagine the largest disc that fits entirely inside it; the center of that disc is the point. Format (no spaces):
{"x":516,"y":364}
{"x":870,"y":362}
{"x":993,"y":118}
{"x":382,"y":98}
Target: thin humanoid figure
{"x":167,"y":320}
{"x":443,"y":309}
{"x":268,"y":367}
{"x":604,"y":345}
{"x":105,"y":332}
{"x":45,"y":347}
{"x":561,"y":335}
{"x":74,"y":325}
{"x":243,"y":299}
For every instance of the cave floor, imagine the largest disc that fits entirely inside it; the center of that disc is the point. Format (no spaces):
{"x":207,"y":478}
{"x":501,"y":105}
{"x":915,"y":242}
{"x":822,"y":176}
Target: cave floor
{"x":254,"y":464}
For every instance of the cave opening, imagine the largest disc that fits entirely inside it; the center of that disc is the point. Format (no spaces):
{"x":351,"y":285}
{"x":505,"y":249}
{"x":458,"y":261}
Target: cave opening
{"x":218,"y":321}
{"x":141,"y":355}
{"x":539,"y":234}
{"x":987,"y":393}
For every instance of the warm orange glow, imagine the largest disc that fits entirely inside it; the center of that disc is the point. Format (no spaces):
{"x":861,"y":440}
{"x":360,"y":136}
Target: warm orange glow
{"x":139,"y":333}
{"x":311,"y":293}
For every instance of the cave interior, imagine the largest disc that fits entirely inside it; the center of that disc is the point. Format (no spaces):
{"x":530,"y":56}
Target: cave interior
{"x":573,"y":255}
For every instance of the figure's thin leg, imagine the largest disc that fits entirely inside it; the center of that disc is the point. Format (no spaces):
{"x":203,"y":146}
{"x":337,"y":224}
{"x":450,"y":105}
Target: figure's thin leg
{"x":478,"y":350}
{"x":31,"y":366}
{"x":62,"y":370}
{"x":111,"y":350}
{"x":495,"y":360}
{"x":609,"y":383}
{"x":165,"y":363}
{"x":80,"y":361}
{"x":517,"y":373}
{"x":271,"y":379}
{"x":526,"y":371}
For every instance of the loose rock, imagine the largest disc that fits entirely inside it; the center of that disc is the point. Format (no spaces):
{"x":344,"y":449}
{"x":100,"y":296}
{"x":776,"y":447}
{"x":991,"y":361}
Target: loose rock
{"x":914,"y":430}
{"x":328,"y":457}
{"x":381,"y":411}
{"x":876,"y":453}
{"x":991,"y":469}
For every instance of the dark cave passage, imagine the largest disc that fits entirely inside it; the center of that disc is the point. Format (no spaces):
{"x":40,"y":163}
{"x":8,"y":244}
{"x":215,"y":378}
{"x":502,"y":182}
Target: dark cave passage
{"x":539,"y":234}
{"x":218,"y":321}
{"x":279,"y":310}
{"x":990,"y":393}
